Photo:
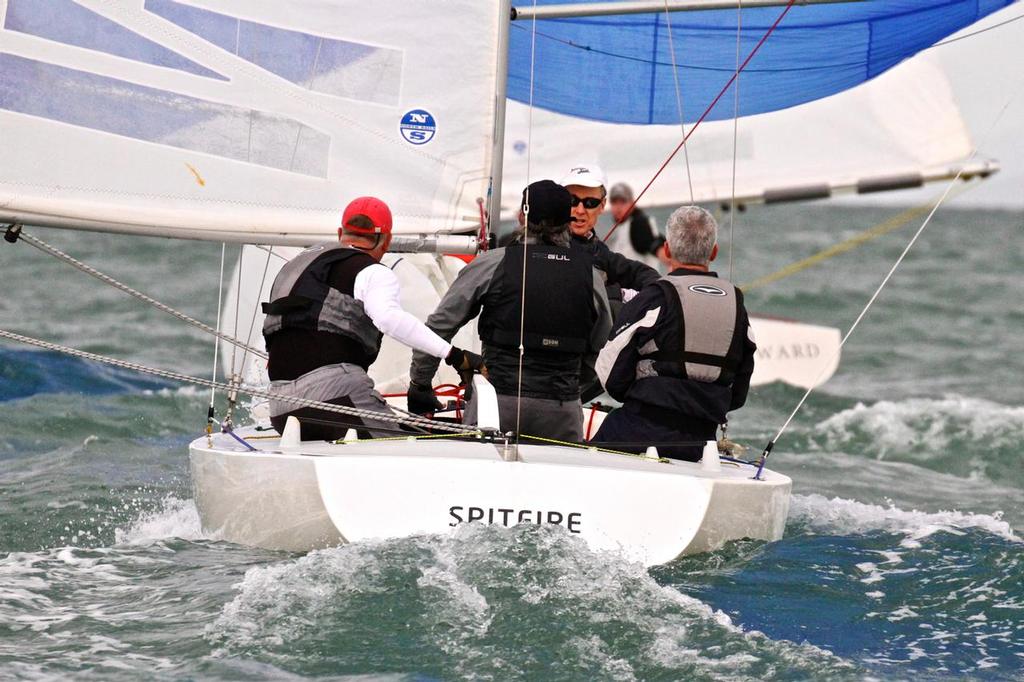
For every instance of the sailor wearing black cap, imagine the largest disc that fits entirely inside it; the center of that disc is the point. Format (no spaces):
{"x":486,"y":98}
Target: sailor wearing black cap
{"x":565,"y":315}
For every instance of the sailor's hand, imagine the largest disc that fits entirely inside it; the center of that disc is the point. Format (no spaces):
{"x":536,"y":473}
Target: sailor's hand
{"x":465,"y":362}
{"x":421,"y":400}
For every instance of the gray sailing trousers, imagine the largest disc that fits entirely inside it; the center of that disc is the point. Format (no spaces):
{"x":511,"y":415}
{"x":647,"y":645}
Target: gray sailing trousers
{"x":557,"y":419}
{"x":342,"y":384}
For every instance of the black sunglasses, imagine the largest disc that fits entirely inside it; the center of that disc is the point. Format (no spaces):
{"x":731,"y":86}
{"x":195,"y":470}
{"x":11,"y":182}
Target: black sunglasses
{"x":589,"y":202}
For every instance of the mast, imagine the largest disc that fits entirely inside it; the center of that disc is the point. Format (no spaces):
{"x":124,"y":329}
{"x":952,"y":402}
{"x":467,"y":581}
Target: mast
{"x":505,"y":16}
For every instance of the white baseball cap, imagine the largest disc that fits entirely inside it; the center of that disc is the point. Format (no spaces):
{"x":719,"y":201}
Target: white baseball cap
{"x":584,"y":175}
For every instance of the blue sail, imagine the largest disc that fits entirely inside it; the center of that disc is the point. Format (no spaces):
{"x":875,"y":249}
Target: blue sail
{"x":619,"y":69}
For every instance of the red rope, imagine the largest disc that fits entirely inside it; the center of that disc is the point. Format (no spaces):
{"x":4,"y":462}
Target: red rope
{"x":590,"y":422}
{"x":707,"y":111}
{"x":442,"y":391}
{"x":483,"y":236}
{"x":452,"y":391}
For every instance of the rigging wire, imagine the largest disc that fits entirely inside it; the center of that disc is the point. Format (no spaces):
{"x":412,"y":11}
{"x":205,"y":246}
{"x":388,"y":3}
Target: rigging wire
{"x":270,"y":249}
{"x":735,"y":137}
{"x":892,"y":224}
{"x":235,"y":377}
{"x":679,"y":98}
{"x":526,"y":222}
{"x":885,"y":280}
{"x":255,"y":308}
{"x":978,"y":32}
{"x":216,"y":342}
{"x":107,"y":279}
{"x":714,"y":102}
{"x":238,"y":388}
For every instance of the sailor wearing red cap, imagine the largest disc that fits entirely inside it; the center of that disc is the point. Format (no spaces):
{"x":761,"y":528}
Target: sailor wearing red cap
{"x":328,"y":310}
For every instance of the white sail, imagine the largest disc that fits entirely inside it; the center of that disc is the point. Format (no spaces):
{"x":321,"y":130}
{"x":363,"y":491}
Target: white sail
{"x":244,"y":121}
{"x":899,"y":129}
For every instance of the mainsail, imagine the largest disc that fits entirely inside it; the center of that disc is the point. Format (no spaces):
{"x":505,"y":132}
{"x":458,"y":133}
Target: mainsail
{"x":244,"y":121}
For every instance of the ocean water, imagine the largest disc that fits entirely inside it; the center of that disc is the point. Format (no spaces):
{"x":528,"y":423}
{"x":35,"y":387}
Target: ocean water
{"x":902,"y":557}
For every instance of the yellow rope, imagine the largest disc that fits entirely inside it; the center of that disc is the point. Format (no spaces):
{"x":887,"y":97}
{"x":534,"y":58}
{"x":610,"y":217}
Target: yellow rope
{"x":590,"y":447}
{"x":377,"y":440}
{"x":410,"y":436}
{"x":888,"y":226}
{"x":480,"y":433}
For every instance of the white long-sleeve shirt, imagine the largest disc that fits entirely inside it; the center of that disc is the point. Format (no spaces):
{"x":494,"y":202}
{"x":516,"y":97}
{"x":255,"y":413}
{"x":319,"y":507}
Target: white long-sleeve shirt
{"x":378,"y":288}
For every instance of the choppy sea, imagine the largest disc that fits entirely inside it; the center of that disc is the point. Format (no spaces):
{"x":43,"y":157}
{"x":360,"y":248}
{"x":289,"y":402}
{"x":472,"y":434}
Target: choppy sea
{"x":902,"y":557}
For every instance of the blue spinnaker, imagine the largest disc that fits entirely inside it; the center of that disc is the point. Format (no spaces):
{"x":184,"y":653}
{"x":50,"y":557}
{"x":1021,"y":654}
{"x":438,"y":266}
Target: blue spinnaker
{"x":619,"y":69}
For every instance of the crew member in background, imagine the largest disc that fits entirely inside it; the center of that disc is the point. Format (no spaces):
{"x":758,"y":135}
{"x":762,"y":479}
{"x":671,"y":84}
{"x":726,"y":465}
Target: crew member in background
{"x":682,"y":352}
{"x":328,"y":309}
{"x":586,"y":185}
{"x":635,"y":236}
{"x":565,"y":315}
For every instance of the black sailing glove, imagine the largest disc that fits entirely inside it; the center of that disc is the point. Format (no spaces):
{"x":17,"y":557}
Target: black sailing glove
{"x":421,"y":400}
{"x":465,"y":362}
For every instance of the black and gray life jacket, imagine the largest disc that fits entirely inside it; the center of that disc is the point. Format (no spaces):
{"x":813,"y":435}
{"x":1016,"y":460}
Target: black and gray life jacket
{"x":559,"y":310}
{"x":709,"y":316}
{"x":302,"y":298}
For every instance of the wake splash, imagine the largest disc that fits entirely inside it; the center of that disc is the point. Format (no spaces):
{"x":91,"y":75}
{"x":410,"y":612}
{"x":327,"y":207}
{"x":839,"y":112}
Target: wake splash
{"x":175,"y":518}
{"x":115,"y":610}
{"x":492,"y":603}
{"x":954,"y":434}
{"x":837,"y":516}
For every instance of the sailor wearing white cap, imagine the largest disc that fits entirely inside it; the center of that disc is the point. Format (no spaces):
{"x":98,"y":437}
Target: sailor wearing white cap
{"x":586,"y":185}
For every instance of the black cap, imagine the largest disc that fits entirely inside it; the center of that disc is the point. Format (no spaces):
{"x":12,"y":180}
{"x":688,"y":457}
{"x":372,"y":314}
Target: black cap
{"x":550,"y":204}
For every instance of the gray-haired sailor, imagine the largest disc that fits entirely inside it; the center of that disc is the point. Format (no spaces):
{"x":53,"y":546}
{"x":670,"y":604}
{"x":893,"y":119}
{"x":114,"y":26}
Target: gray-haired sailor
{"x":329,"y":307}
{"x":682,"y":354}
{"x":558,"y":310}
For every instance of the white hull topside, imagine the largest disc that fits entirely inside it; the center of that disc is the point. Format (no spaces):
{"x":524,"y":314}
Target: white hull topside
{"x":312,"y":495}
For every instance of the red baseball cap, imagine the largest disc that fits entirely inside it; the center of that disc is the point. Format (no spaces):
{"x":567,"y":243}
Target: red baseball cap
{"x":371,"y":207}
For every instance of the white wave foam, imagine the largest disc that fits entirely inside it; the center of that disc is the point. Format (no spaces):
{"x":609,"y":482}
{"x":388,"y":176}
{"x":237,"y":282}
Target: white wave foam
{"x":176,"y":518}
{"x":926,"y":425}
{"x":184,"y":391}
{"x":263,"y":613}
{"x":483,"y":596}
{"x":840,"y":516}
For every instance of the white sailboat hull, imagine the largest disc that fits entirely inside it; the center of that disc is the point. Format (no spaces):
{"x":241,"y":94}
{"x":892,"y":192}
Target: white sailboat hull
{"x":319,"y":494}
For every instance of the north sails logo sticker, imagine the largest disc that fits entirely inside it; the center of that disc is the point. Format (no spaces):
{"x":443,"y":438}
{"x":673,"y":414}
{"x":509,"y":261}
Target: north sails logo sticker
{"x":418,"y":126}
{"x":706,"y":289}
